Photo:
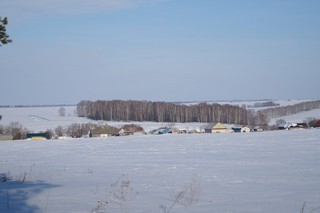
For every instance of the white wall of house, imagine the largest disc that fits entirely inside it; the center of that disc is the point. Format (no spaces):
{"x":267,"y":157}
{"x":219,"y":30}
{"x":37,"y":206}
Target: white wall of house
{"x":245,"y":129}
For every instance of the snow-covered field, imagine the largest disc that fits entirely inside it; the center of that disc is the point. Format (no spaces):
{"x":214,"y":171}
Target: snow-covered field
{"x":299,"y":117}
{"x":274,"y":171}
{"x":43,"y":118}
{"x":40,"y":118}
{"x":255,"y":172}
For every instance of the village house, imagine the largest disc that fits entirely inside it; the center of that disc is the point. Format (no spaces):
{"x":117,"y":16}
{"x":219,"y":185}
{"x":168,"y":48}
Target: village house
{"x":298,"y":126}
{"x":216,"y":128}
{"x":161,"y":131}
{"x":316,"y":124}
{"x":292,"y":126}
{"x":284,"y":126}
{"x":104,"y":131}
{"x":257,"y":129}
{"x":179,"y":131}
{"x":241,"y":129}
{"x":131,"y":129}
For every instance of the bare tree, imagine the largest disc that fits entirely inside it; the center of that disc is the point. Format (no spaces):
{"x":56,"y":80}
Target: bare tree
{"x":309,"y":121}
{"x":280,"y":122}
{"x":50,"y":133}
{"x":78,"y":130}
{"x":59,"y":131}
{"x":62,"y":112}
{"x":16,"y":130}
{"x":2,"y":129}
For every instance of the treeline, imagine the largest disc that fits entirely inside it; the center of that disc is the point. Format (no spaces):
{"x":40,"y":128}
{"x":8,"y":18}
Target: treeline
{"x":291,"y":109}
{"x":118,"y":110}
{"x":37,"y":105}
{"x":75,"y":130}
{"x":264,"y":104}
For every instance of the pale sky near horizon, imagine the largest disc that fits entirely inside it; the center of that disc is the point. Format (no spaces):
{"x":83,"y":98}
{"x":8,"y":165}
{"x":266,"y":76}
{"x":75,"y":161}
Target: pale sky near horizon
{"x":65,"y":51}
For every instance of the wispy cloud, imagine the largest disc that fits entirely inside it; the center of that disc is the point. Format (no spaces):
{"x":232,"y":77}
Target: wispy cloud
{"x":64,"y":7}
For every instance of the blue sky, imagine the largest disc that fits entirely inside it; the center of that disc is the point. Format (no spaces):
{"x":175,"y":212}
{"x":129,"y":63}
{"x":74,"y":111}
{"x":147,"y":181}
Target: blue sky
{"x":65,"y":51}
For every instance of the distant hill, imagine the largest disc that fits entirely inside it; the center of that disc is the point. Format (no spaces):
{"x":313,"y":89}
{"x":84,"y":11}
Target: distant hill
{"x":290,"y":109}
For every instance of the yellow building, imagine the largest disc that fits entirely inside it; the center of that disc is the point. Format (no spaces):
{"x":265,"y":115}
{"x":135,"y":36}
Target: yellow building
{"x":216,"y":128}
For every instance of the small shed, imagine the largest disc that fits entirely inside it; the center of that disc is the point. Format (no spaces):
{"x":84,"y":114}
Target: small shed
{"x":298,"y":126}
{"x":316,"y":124}
{"x":6,"y":137}
{"x":216,"y":128}
{"x":258,"y":129}
{"x":38,"y":136}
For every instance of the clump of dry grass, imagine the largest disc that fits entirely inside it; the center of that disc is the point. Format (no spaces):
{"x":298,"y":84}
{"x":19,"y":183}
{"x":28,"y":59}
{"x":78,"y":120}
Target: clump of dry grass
{"x":119,"y":194}
{"x":304,"y":206}
{"x":186,"y":197}
{"x":6,"y":177}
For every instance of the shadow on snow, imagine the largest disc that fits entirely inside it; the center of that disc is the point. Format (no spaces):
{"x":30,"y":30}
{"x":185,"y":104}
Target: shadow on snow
{"x":14,"y":196}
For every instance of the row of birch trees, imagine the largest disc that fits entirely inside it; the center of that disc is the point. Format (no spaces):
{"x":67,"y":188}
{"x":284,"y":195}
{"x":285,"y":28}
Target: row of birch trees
{"x":119,"y":110}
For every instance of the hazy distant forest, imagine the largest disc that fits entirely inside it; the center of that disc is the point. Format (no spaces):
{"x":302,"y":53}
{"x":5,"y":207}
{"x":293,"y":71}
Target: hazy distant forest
{"x":118,"y":110}
{"x":291,"y":109}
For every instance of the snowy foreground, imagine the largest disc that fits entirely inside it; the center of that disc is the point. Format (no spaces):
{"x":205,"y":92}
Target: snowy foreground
{"x":253,"y":172}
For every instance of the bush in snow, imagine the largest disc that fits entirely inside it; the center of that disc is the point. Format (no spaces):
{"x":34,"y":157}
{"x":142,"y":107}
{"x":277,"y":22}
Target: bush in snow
{"x":16,"y":130}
